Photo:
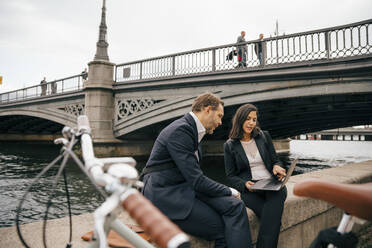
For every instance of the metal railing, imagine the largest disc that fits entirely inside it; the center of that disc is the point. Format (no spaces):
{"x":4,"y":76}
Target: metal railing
{"x":323,"y":44}
{"x":68,"y":84}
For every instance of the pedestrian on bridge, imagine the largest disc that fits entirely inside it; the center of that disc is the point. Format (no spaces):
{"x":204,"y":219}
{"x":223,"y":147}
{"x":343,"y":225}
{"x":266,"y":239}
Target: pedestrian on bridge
{"x":258,"y":49}
{"x":242,"y":50}
{"x":84,"y":74}
{"x":176,"y":185}
{"x":44,"y":86}
{"x":54,"y":87}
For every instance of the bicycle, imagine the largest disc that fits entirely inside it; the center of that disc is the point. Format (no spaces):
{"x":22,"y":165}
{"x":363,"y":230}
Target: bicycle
{"x":120,"y":179}
{"x":354,"y":199}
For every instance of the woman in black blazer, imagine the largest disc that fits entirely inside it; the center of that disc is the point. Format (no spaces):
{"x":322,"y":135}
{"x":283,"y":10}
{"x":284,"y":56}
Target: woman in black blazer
{"x":250,"y":156}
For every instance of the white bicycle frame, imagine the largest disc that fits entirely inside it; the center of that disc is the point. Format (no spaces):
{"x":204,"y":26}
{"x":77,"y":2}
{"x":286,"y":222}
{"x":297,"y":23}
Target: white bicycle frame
{"x":105,"y":217}
{"x":118,"y":179}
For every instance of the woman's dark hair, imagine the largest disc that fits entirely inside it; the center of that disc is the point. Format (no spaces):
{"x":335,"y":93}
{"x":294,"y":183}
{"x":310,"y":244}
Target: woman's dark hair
{"x":239,"y":118}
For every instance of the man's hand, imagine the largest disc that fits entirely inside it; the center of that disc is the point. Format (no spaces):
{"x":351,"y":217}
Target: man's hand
{"x":248,"y":185}
{"x":279,"y":172}
{"x":235,"y":193}
{"x":238,"y":196}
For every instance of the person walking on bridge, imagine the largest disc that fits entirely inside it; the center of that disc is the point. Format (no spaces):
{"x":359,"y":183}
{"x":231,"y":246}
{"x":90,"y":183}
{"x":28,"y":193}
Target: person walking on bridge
{"x":174,"y":182}
{"x":258,"y":49}
{"x":54,"y":87}
{"x":242,"y":50}
{"x":84,"y":74}
{"x":43,"y":87}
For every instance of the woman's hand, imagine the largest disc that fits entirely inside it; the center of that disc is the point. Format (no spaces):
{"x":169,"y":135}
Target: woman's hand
{"x":248,"y":185}
{"x":279,"y":172}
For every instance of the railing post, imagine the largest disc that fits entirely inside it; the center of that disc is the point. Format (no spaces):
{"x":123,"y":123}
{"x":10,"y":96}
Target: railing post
{"x":277,"y":51}
{"x":173,"y":65}
{"x":141,"y":70}
{"x":63,"y":85}
{"x":213,"y":59}
{"x":326,"y":40}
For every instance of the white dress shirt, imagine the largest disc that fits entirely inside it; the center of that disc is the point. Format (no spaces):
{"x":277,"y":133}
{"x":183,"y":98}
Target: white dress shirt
{"x":199,"y":127}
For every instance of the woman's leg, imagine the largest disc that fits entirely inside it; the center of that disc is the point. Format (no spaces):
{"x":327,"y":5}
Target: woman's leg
{"x":255,"y":201}
{"x":271,"y":218}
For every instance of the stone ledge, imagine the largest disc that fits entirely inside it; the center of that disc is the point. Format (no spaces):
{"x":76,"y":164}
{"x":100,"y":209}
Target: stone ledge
{"x":303,"y":218}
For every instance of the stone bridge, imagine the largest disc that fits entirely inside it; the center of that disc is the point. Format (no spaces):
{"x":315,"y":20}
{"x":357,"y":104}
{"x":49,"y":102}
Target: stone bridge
{"x":307,"y":82}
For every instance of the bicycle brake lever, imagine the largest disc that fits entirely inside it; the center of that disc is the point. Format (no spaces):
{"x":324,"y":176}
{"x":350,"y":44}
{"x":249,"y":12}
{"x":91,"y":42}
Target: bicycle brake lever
{"x":63,"y":141}
{"x":123,"y":171}
{"x":126,"y":174}
{"x":67,"y":132}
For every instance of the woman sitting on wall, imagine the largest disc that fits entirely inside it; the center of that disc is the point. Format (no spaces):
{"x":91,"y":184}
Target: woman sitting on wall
{"x":250,"y":156}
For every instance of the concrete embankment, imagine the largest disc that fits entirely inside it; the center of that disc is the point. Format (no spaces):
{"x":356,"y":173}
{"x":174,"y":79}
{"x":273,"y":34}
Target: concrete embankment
{"x":302,"y":219}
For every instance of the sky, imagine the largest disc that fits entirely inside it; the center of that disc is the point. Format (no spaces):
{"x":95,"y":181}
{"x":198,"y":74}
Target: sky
{"x":57,"y":39}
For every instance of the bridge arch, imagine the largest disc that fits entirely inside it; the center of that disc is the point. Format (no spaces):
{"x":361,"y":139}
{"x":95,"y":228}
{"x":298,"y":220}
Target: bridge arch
{"x":287,"y":108}
{"x":41,"y":121}
{"x":56,"y":116}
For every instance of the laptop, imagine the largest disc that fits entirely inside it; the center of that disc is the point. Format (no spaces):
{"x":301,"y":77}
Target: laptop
{"x":272,"y":183}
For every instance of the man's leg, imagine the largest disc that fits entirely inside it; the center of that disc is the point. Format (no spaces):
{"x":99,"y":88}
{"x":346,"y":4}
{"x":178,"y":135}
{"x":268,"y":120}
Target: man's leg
{"x":260,"y":57}
{"x":240,"y":57}
{"x":234,"y":215}
{"x":204,"y":222}
{"x":245,"y":59}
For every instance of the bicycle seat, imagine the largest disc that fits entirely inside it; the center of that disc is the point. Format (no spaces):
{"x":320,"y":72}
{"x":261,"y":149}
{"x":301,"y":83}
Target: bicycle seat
{"x":356,"y":199}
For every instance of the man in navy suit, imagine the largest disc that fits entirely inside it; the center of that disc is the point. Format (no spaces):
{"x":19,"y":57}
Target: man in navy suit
{"x":174,"y":182}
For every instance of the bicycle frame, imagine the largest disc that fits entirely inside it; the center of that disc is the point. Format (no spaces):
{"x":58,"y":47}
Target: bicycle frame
{"x":106,"y":215}
{"x":106,"y":219}
{"x":119,"y":179}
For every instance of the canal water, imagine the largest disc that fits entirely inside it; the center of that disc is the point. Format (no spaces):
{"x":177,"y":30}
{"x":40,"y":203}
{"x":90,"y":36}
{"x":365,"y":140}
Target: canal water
{"x":20,"y":163}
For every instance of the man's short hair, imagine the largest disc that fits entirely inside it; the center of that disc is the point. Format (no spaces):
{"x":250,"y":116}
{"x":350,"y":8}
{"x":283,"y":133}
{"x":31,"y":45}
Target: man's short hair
{"x":205,"y":100}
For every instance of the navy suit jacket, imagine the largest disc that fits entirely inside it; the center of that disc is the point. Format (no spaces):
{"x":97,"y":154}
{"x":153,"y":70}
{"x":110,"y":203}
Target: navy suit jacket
{"x":237,"y":166}
{"x":174,"y":190}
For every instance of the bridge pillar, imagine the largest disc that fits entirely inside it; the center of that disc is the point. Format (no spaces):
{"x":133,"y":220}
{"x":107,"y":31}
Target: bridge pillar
{"x":99,"y":100}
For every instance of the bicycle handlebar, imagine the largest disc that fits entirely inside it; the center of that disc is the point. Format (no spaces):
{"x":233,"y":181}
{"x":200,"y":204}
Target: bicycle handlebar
{"x":164,"y":232}
{"x":355,"y":199}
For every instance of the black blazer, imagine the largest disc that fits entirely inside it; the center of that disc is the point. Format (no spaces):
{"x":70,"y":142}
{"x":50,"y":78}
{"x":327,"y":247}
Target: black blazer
{"x":173,"y":190}
{"x":237,"y":166}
